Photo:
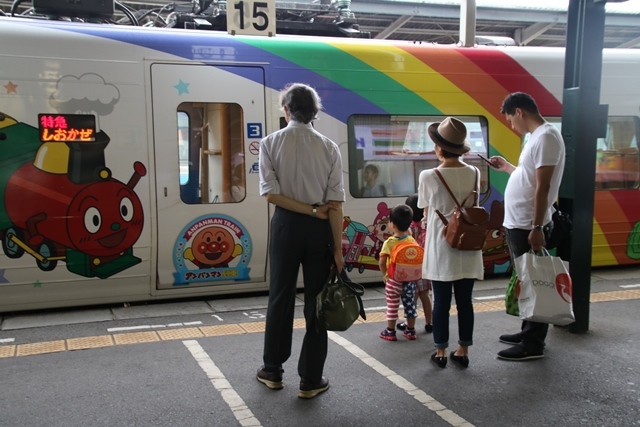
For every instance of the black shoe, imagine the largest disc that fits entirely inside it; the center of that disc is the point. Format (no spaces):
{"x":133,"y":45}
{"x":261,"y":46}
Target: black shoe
{"x":309,"y":390}
{"x":513,"y":339}
{"x":428,"y":328}
{"x":440,"y":361}
{"x":273,"y":380}
{"x":401,"y":326}
{"x":518,"y":353}
{"x":463,"y":361}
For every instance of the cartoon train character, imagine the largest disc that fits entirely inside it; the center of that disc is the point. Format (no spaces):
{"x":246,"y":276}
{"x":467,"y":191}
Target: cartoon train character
{"x":58,"y":202}
{"x":356,"y":253}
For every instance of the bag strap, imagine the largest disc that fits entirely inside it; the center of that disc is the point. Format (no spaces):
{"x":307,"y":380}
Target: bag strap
{"x":473,"y":192}
{"x":356,"y":288}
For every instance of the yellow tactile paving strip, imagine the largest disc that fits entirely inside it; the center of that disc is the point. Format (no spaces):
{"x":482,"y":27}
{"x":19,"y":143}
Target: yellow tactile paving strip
{"x":231,"y":329}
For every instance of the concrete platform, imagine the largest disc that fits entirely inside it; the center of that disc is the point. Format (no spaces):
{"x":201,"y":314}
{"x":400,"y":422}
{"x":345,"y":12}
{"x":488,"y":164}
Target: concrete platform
{"x":193,"y":363}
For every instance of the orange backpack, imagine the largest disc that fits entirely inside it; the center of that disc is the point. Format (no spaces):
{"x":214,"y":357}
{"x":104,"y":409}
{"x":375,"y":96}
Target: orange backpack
{"x":405,"y":263}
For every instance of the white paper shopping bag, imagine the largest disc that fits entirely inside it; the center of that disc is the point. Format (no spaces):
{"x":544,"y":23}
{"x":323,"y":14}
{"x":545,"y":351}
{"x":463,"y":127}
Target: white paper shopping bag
{"x":545,"y":289}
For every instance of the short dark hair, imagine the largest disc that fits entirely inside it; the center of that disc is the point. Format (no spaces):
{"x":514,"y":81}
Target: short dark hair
{"x":373,"y":168}
{"x":412,"y":202}
{"x":520,"y":100}
{"x":302,"y":101}
{"x":447,"y":154}
{"x":401,"y":216}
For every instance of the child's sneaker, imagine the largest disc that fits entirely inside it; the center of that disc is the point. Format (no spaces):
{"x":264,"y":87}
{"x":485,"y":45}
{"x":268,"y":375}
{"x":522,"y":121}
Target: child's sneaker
{"x":410,"y":333}
{"x":388,"y":334}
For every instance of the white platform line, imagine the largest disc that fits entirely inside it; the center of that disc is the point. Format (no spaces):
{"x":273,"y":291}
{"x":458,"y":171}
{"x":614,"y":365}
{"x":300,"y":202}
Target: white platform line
{"x":134,"y":328}
{"x":5,"y":340}
{"x":429,"y":402}
{"x":630,"y":286}
{"x":240,"y":410}
{"x":489,"y":297}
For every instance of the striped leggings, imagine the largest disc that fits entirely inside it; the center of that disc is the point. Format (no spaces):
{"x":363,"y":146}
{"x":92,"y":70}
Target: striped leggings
{"x":396,"y":291}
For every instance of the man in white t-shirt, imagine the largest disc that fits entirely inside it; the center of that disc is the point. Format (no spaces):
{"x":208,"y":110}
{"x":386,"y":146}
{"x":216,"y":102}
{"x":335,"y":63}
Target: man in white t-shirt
{"x":528,"y":203}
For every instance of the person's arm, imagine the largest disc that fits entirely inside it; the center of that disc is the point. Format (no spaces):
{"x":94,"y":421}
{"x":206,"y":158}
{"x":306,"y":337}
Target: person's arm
{"x":503,"y":164}
{"x":383,"y":265}
{"x":335,"y":219}
{"x":299,"y":207}
{"x":540,"y":205}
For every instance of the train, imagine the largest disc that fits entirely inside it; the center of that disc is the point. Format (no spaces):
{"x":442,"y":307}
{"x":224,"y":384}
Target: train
{"x":129,"y":155}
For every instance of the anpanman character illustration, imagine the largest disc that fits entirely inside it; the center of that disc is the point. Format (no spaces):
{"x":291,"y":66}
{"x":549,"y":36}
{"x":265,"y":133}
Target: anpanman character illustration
{"x":213,"y":247}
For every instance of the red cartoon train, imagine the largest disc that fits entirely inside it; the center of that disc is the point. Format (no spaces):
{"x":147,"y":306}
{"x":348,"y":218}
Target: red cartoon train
{"x":59,"y":202}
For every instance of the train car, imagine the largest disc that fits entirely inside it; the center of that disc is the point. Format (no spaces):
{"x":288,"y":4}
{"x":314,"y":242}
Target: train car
{"x":128,"y":155}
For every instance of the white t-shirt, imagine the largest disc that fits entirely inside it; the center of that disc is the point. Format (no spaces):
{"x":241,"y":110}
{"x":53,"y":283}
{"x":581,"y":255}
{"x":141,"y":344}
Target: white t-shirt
{"x":441,"y":261}
{"x":544,"y":148}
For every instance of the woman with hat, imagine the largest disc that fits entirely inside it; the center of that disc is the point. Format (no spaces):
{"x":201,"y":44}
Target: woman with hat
{"x":448,"y":268}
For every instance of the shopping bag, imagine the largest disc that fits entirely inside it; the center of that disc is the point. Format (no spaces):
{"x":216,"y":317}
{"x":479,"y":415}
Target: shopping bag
{"x":545,"y":289}
{"x":339,"y":303}
{"x":511,"y":297}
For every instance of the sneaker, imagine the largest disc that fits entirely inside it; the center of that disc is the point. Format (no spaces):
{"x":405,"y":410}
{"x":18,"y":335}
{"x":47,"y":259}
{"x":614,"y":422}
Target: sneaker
{"x":410,"y":333}
{"x":513,"y":339}
{"x":517,"y":353}
{"x":428,"y":328}
{"x":309,"y":390}
{"x":401,"y":326}
{"x":388,"y":335}
{"x":273,"y":380}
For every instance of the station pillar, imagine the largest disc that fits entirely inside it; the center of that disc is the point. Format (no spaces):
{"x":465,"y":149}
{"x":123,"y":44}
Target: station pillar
{"x":583,"y":121}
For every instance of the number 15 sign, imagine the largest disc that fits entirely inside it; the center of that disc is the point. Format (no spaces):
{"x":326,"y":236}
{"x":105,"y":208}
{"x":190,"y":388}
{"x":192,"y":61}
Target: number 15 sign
{"x":255,"y":17}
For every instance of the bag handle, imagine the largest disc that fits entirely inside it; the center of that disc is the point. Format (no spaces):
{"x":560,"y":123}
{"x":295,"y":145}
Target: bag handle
{"x":473,"y":192}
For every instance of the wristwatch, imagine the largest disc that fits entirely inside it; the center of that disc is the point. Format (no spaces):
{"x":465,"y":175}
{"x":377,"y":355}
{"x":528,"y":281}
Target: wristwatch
{"x":314,"y":212}
{"x":537,"y":227}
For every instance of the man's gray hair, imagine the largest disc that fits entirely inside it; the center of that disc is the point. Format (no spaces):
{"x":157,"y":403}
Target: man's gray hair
{"x":302,"y":101}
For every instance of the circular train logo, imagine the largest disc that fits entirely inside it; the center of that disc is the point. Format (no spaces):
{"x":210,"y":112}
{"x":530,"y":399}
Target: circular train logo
{"x":212,"y":248}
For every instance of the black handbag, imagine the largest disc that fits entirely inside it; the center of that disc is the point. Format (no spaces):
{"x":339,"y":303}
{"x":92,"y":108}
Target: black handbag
{"x":562,"y":228}
{"x":340,"y":303}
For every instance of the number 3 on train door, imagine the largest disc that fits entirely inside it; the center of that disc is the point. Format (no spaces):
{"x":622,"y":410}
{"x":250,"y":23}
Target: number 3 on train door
{"x":212,"y":224}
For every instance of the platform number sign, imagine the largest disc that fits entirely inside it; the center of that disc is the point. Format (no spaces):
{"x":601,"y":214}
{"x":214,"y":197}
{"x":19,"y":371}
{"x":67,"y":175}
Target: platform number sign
{"x":254,"y":17}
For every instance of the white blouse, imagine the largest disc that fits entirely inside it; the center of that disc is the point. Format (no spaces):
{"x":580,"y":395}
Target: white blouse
{"x":442,"y":262}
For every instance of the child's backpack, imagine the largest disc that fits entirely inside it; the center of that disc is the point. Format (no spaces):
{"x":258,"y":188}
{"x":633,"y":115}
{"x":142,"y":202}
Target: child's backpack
{"x":405,"y":262}
{"x":466,"y":229}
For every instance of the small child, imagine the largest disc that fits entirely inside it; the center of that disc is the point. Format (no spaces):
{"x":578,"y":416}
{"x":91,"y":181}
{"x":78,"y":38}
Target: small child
{"x":399,"y":220}
{"x":423,"y":286}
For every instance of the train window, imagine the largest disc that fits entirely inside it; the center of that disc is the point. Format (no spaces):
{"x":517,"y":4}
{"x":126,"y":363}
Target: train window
{"x":387,"y":153}
{"x":617,"y":154}
{"x":183,"y":146}
{"x":211,"y":153}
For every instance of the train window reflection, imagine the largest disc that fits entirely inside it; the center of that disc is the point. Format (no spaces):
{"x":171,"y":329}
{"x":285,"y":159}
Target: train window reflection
{"x":211,"y":153}
{"x":616,"y":154}
{"x":387,"y":153}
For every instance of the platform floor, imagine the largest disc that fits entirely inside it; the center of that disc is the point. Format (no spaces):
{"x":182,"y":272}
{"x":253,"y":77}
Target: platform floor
{"x":193,"y":363}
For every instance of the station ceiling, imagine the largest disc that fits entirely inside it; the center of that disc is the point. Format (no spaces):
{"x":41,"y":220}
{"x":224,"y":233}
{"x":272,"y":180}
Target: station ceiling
{"x":439,"y":21}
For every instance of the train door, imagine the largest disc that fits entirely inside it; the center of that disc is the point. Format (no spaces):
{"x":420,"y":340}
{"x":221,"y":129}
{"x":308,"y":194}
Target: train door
{"x":212,"y":224}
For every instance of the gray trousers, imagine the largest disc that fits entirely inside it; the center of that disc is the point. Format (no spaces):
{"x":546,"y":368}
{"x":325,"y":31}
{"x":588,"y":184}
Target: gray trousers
{"x":296,"y":239}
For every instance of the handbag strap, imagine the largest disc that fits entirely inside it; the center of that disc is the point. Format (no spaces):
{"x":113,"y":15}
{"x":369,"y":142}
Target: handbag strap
{"x":473,"y":192}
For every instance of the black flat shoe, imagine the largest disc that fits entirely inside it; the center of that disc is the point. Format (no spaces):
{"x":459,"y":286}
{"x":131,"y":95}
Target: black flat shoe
{"x":463,"y":361}
{"x":440,"y":361}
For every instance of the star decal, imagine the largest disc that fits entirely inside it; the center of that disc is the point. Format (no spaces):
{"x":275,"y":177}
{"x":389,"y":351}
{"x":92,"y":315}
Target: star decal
{"x":11,"y":88}
{"x":2,"y":278}
{"x":182,"y":87}
{"x":37,"y":284}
